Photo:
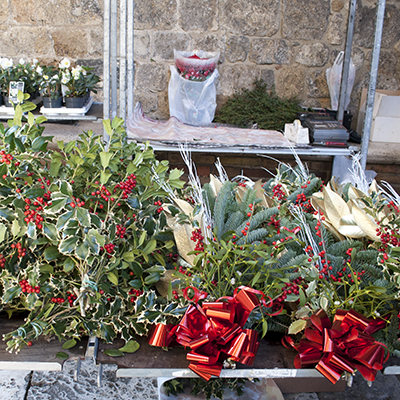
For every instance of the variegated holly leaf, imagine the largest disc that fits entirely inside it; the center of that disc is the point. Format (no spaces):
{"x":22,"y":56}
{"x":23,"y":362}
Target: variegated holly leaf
{"x":297,"y":326}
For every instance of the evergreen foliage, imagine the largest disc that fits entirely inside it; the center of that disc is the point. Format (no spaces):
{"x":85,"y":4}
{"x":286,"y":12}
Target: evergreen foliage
{"x":258,"y":106}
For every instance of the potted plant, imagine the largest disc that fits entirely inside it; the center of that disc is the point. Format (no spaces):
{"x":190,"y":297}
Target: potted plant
{"x":78,"y":82}
{"x":20,"y":73}
{"x":50,"y":87}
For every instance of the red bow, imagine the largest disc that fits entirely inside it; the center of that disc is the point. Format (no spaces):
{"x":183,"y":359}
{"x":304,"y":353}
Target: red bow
{"x":214,"y":331}
{"x":345,"y":345}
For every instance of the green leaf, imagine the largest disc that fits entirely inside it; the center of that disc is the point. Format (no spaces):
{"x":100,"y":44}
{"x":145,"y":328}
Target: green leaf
{"x":68,"y":245}
{"x":82,"y":215}
{"x":256,"y":278}
{"x":70,"y":146}
{"x":50,"y":231}
{"x":46,"y":268}
{"x":6,"y":214}
{"x":11,"y":293}
{"x":137,"y":269}
{"x":297,"y":326}
{"x":264,"y":328}
{"x":60,"y":144}
{"x":113,"y":277}
{"x":66,"y":188}
{"x":175,"y":174}
{"x":153,"y":278}
{"x":40,"y":143}
{"x":105,"y":159}
{"x":302,"y":297}
{"x":128,"y":256}
{"x":55,"y":168}
{"x":82,"y":251}
{"x":130,"y":347}
{"x":51,"y":253}
{"x":107,"y":127}
{"x":69,"y":344}
{"x":136,"y":283}
{"x":113,"y":353}
{"x":64,"y":218}
{"x":19,"y":144}
{"x":156,"y":268}
{"x":31,"y":119}
{"x":138,"y":159}
{"x":40,"y":119}
{"x":61,"y":355}
{"x":150,"y":246}
{"x":142,"y":238}
{"x":68,"y":264}
{"x":104,"y":177}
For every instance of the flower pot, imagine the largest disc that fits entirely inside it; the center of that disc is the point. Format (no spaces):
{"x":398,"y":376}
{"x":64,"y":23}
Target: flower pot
{"x":75,"y":102}
{"x":48,"y":102}
{"x":6,"y":102}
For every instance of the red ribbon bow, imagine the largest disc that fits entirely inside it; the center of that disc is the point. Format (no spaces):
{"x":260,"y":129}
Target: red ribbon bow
{"x":345,"y":345}
{"x":214,"y":331}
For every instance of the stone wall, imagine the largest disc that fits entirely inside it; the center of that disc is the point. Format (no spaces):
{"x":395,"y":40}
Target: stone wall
{"x":287,"y":43}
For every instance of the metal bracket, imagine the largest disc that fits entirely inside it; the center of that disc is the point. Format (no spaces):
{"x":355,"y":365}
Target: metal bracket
{"x":77,"y":369}
{"x":99,"y":374}
{"x":92,"y":348}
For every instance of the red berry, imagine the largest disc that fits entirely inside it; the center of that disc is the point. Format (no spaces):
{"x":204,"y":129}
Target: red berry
{"x":29,"y":343}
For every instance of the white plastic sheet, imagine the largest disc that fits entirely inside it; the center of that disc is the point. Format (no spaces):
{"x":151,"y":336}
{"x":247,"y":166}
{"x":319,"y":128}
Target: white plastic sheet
{"x":334,"y":78}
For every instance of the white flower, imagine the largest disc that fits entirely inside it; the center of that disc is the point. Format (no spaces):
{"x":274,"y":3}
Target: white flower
{"x":55,"y":77}
{"x":233,"y":281}
{"x":65,"y":63}
{"x":238,"y":273}
{"x":377,"y":313}
{"x":39,"y":70}
{"x":21,"y":61}
{"x":7,"y":63}
{"x":46,"y":77}
{"x":35,"y":61}
{"x":64,"y":80}
{"x":336,"y":303}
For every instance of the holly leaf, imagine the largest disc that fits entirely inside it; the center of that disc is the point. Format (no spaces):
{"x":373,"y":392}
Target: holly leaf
{"x":297,"y":326}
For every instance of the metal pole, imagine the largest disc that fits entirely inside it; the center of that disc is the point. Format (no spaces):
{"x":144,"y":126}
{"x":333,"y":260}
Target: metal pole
{"x":130,"y":59}
{"x":106,"y":63}
{"x":380,"y":14}
{"x":122,"y":59}
{"x":113,"y":52}
{"x":346,"y":61}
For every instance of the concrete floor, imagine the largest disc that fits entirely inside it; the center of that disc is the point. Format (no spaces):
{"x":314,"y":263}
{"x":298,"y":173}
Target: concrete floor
{"x":28,"y":385}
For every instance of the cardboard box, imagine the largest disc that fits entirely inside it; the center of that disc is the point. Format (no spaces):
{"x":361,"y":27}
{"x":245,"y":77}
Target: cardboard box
{"x":385,"y":116}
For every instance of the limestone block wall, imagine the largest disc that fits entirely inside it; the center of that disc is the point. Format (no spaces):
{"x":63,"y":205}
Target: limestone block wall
{"x":287,"y":43}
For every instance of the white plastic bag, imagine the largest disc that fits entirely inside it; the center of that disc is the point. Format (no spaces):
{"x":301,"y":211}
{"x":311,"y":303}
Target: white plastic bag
{"x":334,"y":78}
{"x":192,"y":102}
